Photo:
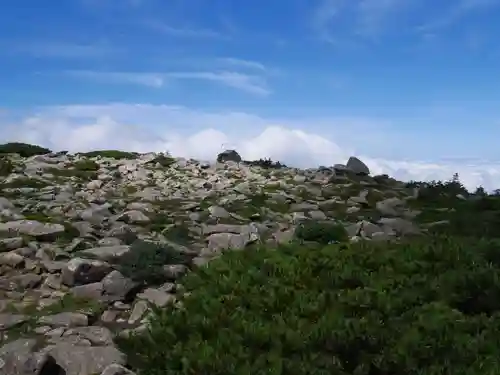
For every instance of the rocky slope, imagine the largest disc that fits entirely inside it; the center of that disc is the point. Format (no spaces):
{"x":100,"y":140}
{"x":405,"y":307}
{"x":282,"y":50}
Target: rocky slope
{"x":69,"y":222}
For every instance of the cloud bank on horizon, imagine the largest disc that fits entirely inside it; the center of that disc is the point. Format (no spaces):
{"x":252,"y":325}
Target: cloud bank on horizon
{"x":408,"y":86}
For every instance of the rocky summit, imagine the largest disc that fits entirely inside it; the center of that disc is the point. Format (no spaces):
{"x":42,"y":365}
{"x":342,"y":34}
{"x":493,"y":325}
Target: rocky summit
{"x":90,"y":243}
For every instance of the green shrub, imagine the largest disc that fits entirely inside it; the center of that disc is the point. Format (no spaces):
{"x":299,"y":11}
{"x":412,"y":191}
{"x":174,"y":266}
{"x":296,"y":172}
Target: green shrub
{"x":472,"y":219}
{"x":421,"y":308}
{"x":113,"y":154}
{"x":179,"y":233}
{"x":86,"y":165}
{"x":477,"y":216}
{"x":265,"y":163}
{"x":25,"y":182}
{"x":6,"y":167}
{"x":145,"y":260}
{"x":164,"y":160}
{"x":321,"y":232}
{"x":81,"y":174}
{"x":23,"y":149}
{"x":438,"y":192}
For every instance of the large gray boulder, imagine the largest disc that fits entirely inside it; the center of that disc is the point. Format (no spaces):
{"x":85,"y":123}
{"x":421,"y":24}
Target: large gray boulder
{"x":357,"y":166}
{"x":228,"y":155}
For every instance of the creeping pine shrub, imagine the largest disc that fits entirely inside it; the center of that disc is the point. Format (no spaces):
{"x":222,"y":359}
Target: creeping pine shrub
{"x":145,"y":260}
{"x":265,"y":163}
{"x":164,"y":160}
{"x":86,"y":166}
{"x":420,"y":308}
{"x":112,"y":154}
{"x":476,"y":216}
{"x":6,"y":167}
{"x":25,"y":150}
{"x":472,"y":218}
{"x":438,"y":191}
{"x":321,"y":232}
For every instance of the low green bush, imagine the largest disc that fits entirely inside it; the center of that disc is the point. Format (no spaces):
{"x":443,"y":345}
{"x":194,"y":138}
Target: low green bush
{"x":164,"y":160}
{"x":6,"y":167}
{"x":425,"y":308}
{"x":80,"y":174}
{"x":113,"y":154}
{"x":25,"y":182}
{"x":86,"y":166}
{"x":439,"y":192}
{"x":265,"y":163}
{"x":145,"y":260}
{"x":23,"y":149}
{"x":321,"y":232}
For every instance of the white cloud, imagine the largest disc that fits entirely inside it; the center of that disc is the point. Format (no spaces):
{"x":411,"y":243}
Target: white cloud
{"x":198,"y":134}
{"x":99,"y":4}
{"x":455,"y":13}
{"x":63,"y":50}
{"x":373,"y":15}
{"x":252,"y":84}
{"x":137,"y":78}
{"x":323,"y":15}
{"x":243,"y":63}
{"x":338,"y":21}
{"x":183,"y":32}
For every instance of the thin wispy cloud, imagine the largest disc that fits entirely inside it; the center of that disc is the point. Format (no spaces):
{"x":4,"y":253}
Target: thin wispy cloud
{"x":143,"y":79}
{"x":373,"y":15}
{"x":454,"y":14}
{"x":339,"y":21}
{"x":252,"y":84}
{"x":183,"y":32}
{"x":107,"y":3}
{"x":63,"y":50}
{"x":249,"y":83}
{"x":242,"y":63}
{"x":322,"y":15}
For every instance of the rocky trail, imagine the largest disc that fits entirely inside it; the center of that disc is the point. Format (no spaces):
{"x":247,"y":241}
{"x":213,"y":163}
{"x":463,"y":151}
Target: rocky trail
{"x":72,"y":228}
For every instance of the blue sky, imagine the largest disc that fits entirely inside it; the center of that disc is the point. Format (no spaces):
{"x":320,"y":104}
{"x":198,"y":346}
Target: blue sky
{"x":411,"y":85}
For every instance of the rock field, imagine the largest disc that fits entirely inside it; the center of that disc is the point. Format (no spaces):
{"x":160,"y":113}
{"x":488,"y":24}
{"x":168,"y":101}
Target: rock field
{"x":66,"y":221}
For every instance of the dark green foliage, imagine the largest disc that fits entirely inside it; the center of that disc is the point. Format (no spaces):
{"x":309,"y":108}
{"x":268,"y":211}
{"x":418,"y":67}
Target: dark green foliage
{"x":321,"y":232}
{"x":476,"y":216}
{"x":265,"y":163}
{"x":440,"y":192}
{"x":25,"y":182}
{"x":23,"y":149}
{"x":480,"y":192}
{"x":6,"y":167}
{"x":426,"y":308}
{"x":472,"y":218}
{"x":113,"y":154}
{"x":81,"y":174}
{"x":86,"y":166}
{"x":145,"y":260}
{"x":179,"y":233}
{"x":164,"y":160}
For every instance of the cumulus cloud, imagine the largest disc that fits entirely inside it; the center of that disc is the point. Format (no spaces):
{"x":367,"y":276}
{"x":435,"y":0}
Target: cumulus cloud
{"x":201,"y":135}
